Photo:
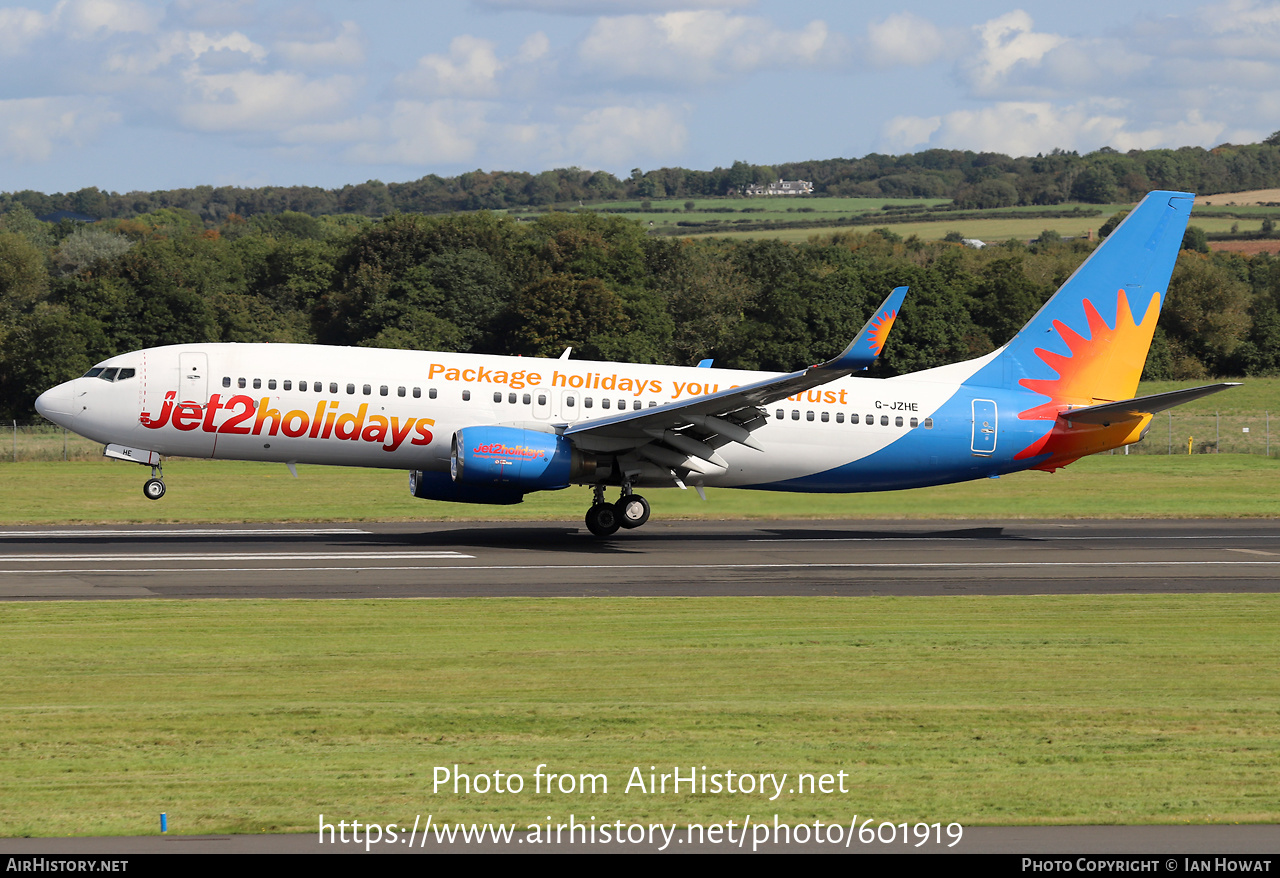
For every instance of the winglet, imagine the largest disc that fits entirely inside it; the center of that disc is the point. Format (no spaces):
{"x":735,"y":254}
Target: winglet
{"x":866,"y":345}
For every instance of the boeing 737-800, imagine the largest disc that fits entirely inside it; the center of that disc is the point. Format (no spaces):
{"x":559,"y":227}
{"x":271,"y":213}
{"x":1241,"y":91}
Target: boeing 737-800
{"x":490,"y":429}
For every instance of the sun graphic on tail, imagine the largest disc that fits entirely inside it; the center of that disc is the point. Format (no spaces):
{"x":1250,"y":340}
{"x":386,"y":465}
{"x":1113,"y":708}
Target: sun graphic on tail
{"x":1103,"y":366}
{"x":879,"y":330}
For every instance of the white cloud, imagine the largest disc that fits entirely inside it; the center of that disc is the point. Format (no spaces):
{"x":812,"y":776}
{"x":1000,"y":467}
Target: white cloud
{"x":702,"y":46}
{"x":1029,"y":127}
{"x":905,"y":39}
{"x":470,"y":70}
{"x":345,"y":50}
{"x":619,"y":135}
{"x":32,"y":128}
{"x":610,"y":7}
{"x":534,"y":48}
{"x":85,"y":19}
{"x":1008,"y":43}
{"x":252,"y":101}
{"x":18,"y":27}
{"x":905,"y":133}
{"x":184,"y":46}
{"x":418,"y":133}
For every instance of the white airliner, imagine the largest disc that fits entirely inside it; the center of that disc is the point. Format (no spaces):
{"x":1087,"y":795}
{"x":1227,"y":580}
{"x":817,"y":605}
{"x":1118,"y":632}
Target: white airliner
{"x":490,"y":429}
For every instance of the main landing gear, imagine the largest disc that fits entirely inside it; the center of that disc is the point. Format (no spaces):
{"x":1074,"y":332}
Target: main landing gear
{"x":604,"y":519}
{"x":154,"y":488}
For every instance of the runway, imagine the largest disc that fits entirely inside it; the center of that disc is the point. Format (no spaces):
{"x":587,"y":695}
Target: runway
{"x":662,"y":559}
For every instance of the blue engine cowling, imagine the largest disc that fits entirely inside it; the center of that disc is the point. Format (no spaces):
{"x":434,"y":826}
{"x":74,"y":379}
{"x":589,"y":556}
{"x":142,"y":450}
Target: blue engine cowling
{"x":508,"y":457}
{"x":439,"y":486}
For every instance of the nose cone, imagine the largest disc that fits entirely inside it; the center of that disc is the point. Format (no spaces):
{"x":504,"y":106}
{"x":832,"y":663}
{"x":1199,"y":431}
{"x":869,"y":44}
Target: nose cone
{"x":57,"y":403}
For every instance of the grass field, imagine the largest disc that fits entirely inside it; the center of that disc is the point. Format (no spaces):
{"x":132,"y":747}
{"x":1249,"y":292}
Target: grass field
{"x":258,"y":716}
{"x":1116,"y":486}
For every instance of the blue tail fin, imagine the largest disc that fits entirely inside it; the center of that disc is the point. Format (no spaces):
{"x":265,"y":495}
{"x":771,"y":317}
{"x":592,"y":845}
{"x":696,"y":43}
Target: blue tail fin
{"x":1089,"y":342}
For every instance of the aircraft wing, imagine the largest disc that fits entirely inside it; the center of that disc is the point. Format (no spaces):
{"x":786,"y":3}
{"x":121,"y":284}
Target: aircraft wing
{"x":1128,"y":409}
{"x":684,"y":435}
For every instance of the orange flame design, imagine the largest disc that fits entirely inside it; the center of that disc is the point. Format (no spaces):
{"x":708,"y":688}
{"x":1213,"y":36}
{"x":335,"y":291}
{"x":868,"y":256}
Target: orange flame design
{"x":879,"y":331}
{"x":1104,"y":367}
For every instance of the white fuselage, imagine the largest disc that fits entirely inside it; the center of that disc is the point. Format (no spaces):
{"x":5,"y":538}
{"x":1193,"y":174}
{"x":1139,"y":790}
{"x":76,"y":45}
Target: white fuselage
{"x":399,"y":409}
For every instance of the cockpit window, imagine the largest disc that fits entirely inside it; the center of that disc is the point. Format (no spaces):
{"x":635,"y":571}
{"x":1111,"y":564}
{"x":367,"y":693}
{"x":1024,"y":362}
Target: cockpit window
{"x":126,"y":374}
{"x":109,"y":374}
{"x":93,"y":373}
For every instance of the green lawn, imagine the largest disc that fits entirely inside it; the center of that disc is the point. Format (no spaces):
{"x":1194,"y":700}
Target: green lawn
{"x":1115,"y":486}
{"x":251,"y":716}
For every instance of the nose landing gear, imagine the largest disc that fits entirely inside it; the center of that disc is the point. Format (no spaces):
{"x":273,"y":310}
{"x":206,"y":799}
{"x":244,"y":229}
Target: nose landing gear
{"x":154,"y":487}
{"x":604,"y":519}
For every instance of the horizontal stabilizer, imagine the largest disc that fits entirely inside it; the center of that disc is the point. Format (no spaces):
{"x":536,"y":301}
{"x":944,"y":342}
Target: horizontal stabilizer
{"x":1126,"y":409}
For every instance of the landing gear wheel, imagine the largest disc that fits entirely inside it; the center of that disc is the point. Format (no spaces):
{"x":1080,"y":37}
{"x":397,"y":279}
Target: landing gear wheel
{"x":603,"y":519}
{"x":153,"y":489}
{"x":633,"y":510}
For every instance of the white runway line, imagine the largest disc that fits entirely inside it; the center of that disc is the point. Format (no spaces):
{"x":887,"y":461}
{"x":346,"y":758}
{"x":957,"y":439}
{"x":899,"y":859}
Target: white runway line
{"x":489,"y":568}
{"x":71,"y":558}
{"x":186,"y":532}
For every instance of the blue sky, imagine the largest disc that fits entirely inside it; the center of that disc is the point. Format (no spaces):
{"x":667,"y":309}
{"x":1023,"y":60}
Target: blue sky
{"x":134,"y":94}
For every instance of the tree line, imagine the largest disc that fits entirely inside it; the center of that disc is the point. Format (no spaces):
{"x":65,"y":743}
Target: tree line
{"x":71,"y":295}
{"x":974,"y":180}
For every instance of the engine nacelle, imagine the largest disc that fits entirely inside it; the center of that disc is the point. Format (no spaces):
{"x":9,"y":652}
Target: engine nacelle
{"x":508,"y":457}
{"x":439,"y":486}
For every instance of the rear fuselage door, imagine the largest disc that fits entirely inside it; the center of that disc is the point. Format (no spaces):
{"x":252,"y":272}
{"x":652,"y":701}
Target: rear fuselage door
{"x":984,"y":427}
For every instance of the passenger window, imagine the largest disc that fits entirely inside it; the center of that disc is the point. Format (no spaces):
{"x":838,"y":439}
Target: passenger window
{"x":366,"y":390}
{"x":384,"y":390}
{"x":652,"y":404}
{"x":351,"y":388}
{"x":928,"y":423}
{"x":884,"y":420}
{"x":528,"y":399}
{"x":542,"y":399}
{"x":871,"y":420}
{"x":400,"y":391}
{"x":587,"y":402}
{"x":288,"y":385}
{"x":826,"y":416}
{"x":854,"y":419}
{"x":897,"y":422}
{"x":226,"y":379}
{"x":333,"y":387}
{"x":271,"y":384}
{"x":240,"y":382}
{"x":604,"y":403}
{"x":319,"y":388}
{"x":511,"y":398}
{"x":466,"y":396}
{"x":915,"y":422}
{"x":839,"y":417}
{"x":497,"y":396}
{"x":780,"y":414}
{"x":257,"y":384}
{"x":637,"y":405}
{"x":568,"y":402}
{"x":795,"y":414}
{"x":108,"y":374}
{"x":808,"y":416}
{"x":622,"y":405}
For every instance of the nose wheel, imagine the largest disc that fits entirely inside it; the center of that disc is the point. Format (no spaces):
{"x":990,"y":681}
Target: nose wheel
{"x":154,"y":487}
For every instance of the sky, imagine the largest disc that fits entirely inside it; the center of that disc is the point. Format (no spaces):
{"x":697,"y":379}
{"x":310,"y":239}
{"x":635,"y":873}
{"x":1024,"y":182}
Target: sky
{"x":141,"y":95}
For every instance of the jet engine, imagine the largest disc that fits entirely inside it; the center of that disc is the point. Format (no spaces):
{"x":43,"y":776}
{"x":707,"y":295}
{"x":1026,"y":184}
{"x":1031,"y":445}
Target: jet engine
{"x":522,"y":460}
